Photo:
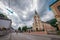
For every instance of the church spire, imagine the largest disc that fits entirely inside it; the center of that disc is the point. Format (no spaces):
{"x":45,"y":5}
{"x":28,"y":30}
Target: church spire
{"x":35,"y":12}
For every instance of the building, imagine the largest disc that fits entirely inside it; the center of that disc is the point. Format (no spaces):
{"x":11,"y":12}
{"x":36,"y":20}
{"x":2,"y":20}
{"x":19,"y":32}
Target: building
{"x":5,"y":25}
{"x":37,"y":25}
{"x":56,"y":9}
{"x":5,"y":22}
{"x":48,"y":27}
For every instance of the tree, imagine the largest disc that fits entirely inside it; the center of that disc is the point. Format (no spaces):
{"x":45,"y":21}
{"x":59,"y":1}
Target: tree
{"x":29,"y":28}
{"x":53,"y":23}
{"x":19,"y":28}
{"x":24,"y":28}
{"x":3,"y":16}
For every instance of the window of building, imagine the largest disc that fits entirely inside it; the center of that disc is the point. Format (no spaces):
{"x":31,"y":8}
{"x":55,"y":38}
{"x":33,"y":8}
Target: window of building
{"x":58,"y":7}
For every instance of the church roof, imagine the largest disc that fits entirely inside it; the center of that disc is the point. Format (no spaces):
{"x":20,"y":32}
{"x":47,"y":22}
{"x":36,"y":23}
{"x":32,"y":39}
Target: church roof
{"x":54,"y":2}
{"x":36,"y":13}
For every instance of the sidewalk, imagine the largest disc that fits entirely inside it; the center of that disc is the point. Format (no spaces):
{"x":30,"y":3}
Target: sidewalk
{"x":36,"y":33}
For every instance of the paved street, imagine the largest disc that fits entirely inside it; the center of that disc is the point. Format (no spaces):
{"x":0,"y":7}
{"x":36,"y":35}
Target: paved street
{"x":22,"y":36}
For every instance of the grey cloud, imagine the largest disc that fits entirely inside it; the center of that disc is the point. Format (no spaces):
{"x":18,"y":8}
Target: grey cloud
{"x":19,"y":6}
{"x":42,"y":7}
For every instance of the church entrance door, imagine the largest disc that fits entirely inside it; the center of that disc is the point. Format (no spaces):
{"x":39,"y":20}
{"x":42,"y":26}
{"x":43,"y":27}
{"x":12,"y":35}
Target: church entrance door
{"x":36,"y":29}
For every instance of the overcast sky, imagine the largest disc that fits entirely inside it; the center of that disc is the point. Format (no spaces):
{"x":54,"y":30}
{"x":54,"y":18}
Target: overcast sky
{"x":21,"y":12}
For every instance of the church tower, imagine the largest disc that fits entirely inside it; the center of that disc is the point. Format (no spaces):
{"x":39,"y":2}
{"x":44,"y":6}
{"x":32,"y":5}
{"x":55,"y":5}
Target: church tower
{"x":56,"y":9}
{"x":37,"y":25}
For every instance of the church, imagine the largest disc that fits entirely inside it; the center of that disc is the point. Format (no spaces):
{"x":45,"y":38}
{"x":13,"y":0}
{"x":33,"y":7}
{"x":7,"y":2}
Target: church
{"x":39,"y":25}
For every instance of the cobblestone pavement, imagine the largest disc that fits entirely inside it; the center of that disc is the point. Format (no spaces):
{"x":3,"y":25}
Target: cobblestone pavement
{"x":22,"y":36}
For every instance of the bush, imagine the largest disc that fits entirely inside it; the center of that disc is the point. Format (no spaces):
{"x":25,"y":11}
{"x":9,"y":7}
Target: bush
{"x":24,"y":28}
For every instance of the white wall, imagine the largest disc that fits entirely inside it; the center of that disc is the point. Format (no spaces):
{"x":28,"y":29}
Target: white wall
{"x":4,"y":23}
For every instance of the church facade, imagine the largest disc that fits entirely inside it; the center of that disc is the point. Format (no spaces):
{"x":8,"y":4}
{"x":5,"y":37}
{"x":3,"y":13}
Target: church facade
{"x":37,"y":25}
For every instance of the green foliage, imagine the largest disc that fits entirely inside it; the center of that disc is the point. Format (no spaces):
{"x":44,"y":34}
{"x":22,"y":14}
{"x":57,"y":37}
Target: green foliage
{"x":19,"y":28}
{"x":29,"y":28}
{"x":53,"y":22}
{"x":3,"y":16}
{"x":24,"y":28}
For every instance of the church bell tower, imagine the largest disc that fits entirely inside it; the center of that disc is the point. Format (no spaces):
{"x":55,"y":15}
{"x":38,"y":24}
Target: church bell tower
{"x":37,"y":25}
